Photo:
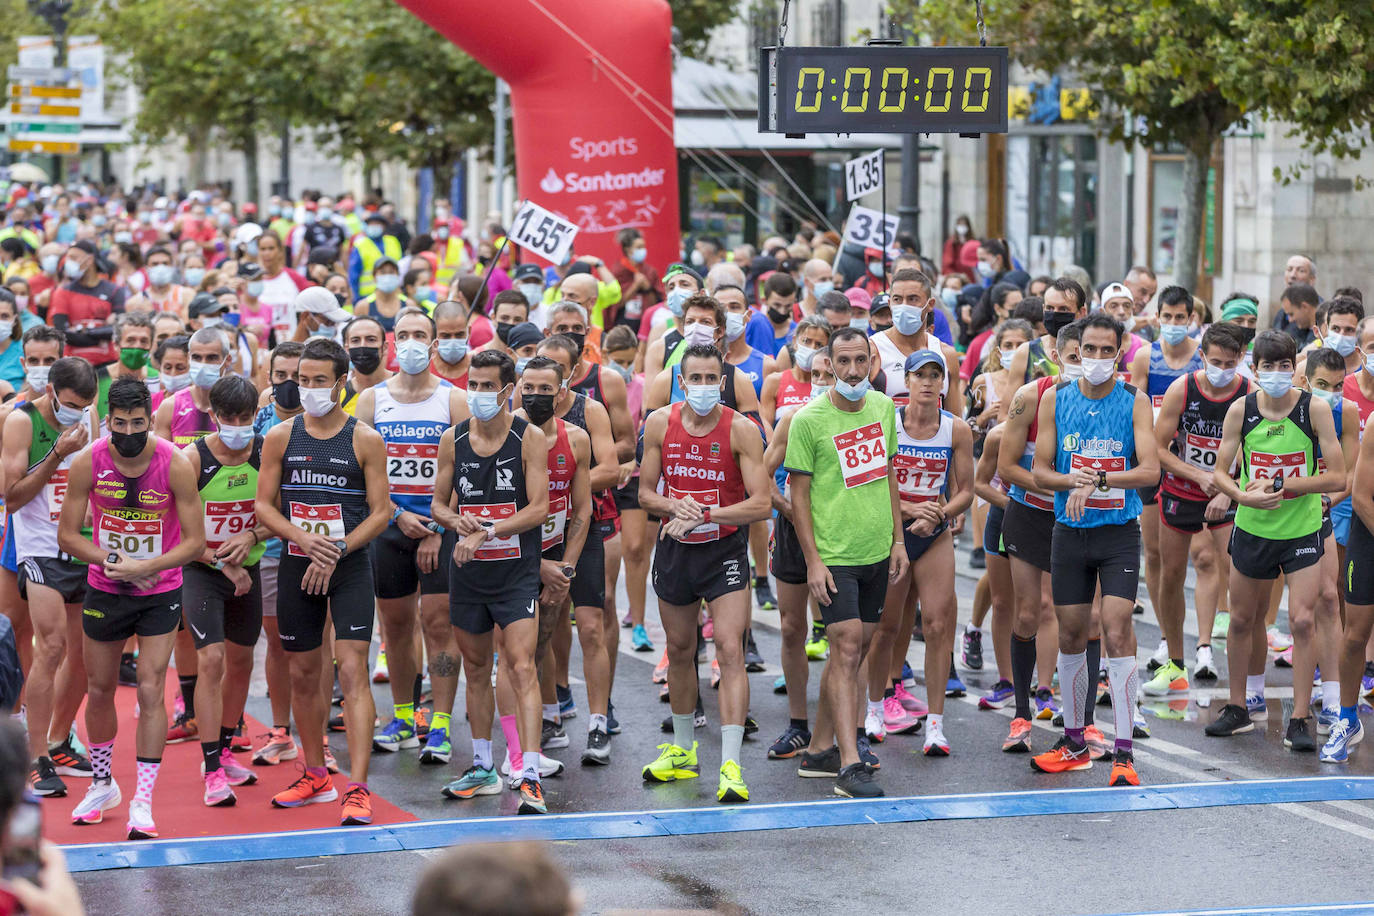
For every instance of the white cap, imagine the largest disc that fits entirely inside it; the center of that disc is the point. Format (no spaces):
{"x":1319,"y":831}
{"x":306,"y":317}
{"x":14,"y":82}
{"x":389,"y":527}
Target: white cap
{"x":160,"y":204}
{"x":246,"y":233}
{"x":1117,"y":291}
{"x":320,"y":301}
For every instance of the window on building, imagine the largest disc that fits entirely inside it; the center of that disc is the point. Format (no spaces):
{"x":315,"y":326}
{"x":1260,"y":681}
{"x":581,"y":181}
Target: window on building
{"x":763,"y":29}
{"x":827,"y":22}
{"x":1062,"y":203}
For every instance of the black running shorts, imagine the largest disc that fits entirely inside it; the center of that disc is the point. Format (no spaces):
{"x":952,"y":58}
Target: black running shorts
{"x":1084,"y":557}
{"x":66,"y":578}
{"x":1188,"y":515}
{"x":1027,"y":533}
{"x":395,"y":565}
{"x":214,"y":613}
{"x":859,"y":593}
{"x":786,"y":560}
{"x":348,"y":600}
{"x":107,"y":617}
{"x":1260,"y":558}
{"x":687,"y":573}
{"x":480,"y":616}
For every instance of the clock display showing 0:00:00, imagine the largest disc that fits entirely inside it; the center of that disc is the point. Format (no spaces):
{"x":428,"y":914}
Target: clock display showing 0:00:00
{"x":891,"y":93}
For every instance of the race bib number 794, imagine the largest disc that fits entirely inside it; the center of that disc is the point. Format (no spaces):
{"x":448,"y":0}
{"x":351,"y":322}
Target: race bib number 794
{"x":863,"y":455}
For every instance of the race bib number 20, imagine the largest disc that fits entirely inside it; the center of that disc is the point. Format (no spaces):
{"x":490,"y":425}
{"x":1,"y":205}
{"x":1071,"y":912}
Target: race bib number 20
{"x":863,"y":455}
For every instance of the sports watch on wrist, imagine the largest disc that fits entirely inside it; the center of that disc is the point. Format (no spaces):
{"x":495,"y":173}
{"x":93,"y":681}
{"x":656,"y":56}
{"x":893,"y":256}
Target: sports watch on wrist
{"x":570,"y":571}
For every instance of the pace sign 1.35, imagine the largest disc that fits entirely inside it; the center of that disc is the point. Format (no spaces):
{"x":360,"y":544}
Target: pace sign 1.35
{"x":886,"y":90}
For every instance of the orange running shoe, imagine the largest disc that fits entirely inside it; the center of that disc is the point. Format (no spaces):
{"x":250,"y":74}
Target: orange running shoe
{"x":357,"y":806}
{"x":1018,"y":739}
{"x":1098,"y":746}
{"x":1063,"y":758}
{"x":661,"y":669}
{"x":330,"y":763}
{"x":183,"y":729}
{"x":1123,"y":770}
{"x":307,"y":790}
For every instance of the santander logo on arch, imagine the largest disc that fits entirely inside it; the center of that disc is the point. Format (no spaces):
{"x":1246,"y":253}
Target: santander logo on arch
{"x":587,"y":150}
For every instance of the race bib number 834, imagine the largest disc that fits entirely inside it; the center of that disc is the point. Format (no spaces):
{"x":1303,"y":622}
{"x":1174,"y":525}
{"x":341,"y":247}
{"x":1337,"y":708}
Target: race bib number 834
{"x":863,"y":455}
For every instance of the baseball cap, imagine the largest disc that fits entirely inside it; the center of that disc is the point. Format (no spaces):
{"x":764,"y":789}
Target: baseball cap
{"x":384,"y":261}
{"x":881,"y":302}
{"x":246,"y":233}
{"x":859,"y":298}
{"x":528,"y":272}
{"x":250,"y":271}
{"x":375,"y":217}
{"x":319,"y":301}
{"x":522,"y":335}
{"x":205,"y":304}
{"x":923,"y":358}
{"x":1116,"y":291}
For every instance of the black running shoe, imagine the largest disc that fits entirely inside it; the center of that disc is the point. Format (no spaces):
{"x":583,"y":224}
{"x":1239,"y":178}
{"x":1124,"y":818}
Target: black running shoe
{"x":856,"y":781}
{"x":977,"y":559}
{"x":973,"y":649}
{"x":751,"y":726}
{"x":1299,"y":737}
{"x":44,"y":781}
{"x":825,"y":764}
{"x":1232,"y":720}
{"x":67,"y":762}
{"x":698,"y":719}
{"x":866,"y":755}
{"x":790,"y":743}
{"x":763,"y":594}
{"x":552,"y":735}
{"x":612,"y":723}
{"x":598,"y":752}
{"x":128,"y":670}
{"x":753,"y":661}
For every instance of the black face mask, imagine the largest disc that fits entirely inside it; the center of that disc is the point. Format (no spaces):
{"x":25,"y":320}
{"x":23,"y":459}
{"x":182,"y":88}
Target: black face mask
{"x":778,"y":317}
{"x":539,"y":407}
{"x":1057,"y":321}
{"x":503,"y":330}
{"x":129,"y":445}
{"x":580,"y":340}
{"x":365,"y":359}
{"x":342,"y":299}
{"x":1246,"y":334}
{"x":287,"y":394}
{"x":876,"y":328}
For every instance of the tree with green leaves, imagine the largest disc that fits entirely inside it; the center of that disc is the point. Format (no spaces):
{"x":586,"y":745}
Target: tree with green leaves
{"x":1186,"y":71}
{"x":694,"y":20}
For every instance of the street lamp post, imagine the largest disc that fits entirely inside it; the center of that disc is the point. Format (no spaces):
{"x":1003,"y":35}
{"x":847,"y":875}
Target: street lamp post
{"x":54,"y":13}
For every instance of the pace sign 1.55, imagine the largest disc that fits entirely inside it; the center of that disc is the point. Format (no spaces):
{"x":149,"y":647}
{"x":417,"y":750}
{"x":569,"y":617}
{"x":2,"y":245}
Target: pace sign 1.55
{"x":883,"y":90}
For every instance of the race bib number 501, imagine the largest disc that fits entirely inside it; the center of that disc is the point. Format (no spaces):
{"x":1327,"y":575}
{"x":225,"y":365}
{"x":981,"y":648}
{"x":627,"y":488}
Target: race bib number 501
{"x":863,"y":455}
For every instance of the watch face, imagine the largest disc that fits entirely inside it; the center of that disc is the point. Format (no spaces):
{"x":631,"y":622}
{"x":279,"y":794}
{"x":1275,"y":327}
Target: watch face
{"x":112,"y":558}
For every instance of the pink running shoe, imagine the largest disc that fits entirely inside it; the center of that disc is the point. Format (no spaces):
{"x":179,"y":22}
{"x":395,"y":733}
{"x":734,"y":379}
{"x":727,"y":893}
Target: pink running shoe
{"x":217,"y":791}
{"x":898,"y":720}
{"x":910,"y":703}
{"x":234,"y":772}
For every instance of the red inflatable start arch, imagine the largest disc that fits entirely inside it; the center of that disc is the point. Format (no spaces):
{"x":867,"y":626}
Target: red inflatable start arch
{"x":592,"y":102}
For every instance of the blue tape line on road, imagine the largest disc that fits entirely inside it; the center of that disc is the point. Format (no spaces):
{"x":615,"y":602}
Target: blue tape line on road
{"x":1326,"y":909}
{"x":689,"y":821}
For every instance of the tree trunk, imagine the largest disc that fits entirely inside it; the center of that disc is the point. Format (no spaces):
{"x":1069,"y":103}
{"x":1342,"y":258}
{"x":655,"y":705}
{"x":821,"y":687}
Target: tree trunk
{"x":250,"y":165}
{"x":198,"y":146}
{"x":1188,"y":239}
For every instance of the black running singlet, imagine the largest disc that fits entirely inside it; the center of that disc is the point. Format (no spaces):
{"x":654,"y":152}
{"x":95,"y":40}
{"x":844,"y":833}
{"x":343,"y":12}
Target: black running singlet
{"x":493,"y":487}
{"x":323,"y":488}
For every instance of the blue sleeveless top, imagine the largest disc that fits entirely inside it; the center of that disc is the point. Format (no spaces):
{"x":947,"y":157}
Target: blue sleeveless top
{"x":1100,"y":435}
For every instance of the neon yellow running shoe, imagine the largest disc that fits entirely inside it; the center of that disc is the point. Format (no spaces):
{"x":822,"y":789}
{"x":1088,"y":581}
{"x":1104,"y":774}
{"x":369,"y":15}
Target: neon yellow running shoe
{"x":673,"y":763}
{"x":732,"y":788}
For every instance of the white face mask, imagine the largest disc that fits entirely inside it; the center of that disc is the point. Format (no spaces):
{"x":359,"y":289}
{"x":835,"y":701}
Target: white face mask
{"x":734,"y":326}
{"x":1218,"y":377}
{"x":1098,"y":371}
{"x":1072,"y":372}
{"x":699,"y":335}
{"x":804,"y":357}
{"x":1006,"y":357}
{"x":318,"y":401}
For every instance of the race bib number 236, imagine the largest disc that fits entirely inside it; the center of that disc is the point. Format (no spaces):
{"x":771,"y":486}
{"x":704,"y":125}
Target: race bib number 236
{"x":863,"y":455}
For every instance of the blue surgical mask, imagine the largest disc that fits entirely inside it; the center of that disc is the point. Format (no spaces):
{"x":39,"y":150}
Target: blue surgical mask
{"x":66,"y":416}
{"x":521,"y":363}
{"x":677,"y":299}
{"x":1343,"y":344}
{"x":1330,"y":397}
{"x":235,"y":437}
{"x":251,"y":249}
{"x":803,"y":357}
{"x":1275,"y":384}
{"x":375,"y":230}
{"x":174,"y":383}
{"x":484,"y":404}
{"x":638,"y":255}
{"x":124,"y":238}
{"x":254,"y":288}
{"x":876,"y":269}
{"x":388,"y":283}
{"x":424,"y":292}
{"x":852,"y":392}
{"x":703,"y":398}
{"x":49,"y":263}
{"x":949,"y":297}
{"x":194,"y":276}
{"x":324,"y":330}
{"x":821,"y":287}
{"x":986,"y":270}
{"x":161,"y":274}
{"x":820,"y":391}
{"x":625,"y":372}
{"x":1006,"y":357}
{"x":860,"y":323}
{"x":453,"y":350}
{"x":1173,"y":334}
{"x":533,"y":293}
{"x":73,"y":270}
{"x":326,"y":213}
{"x":908,"y":319}
{"x":204,"y":375}
{"x":734,"y":326}
{"x":412,"y":356}
{"x":1218,"y":377}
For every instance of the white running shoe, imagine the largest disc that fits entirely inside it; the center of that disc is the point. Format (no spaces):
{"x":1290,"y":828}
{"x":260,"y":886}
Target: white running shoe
{"x":1204,"y":666}
{"x":1278,"y":640}
{"x":548,"y":766}
{"x":873,"y":726}
{"x":935,"y":743}
{"x":1160,"y":657}
{"x":141,"y":826}
{"x":100,"y":797}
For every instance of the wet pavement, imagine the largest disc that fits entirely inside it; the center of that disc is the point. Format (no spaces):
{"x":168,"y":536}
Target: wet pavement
{"x":1270,"y":854}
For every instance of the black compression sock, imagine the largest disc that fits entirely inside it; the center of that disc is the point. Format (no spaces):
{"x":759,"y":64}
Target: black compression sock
{"x":188,"y":694}
{"x":1022,"y":669}
{"x":1094,"y":660}
{"x":418,"y":689}
{"x":210,"y":751}
{"x":798,"y":723}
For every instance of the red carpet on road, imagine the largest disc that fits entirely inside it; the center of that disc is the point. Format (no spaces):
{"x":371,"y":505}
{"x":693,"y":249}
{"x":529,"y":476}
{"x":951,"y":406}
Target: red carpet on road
{"x":178,"y":801}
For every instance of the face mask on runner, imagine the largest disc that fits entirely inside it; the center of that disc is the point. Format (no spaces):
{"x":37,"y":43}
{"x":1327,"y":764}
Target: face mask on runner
{"x":319,"y":401}
{"x":37,"y":377}
{"x":412,"y":357}
{"x":161,"y":274}
{"x":73,"y":270}
{"x":1218,"y":377}
{"x":804,"y":356}
{"x":1173,"y":334}
{"x":365,"y":359}
{"x":1098,"y":371}
{"x":949,"y":297}
{"x":235,"y":437}
{"x":204,"y":375}
{"x":908,"y":319}
{"x":1275,"y":384}
{"x":129,"y":445}
{"x":677,"y":298}
{"x":453,"y":350}
{"x":986,"y":270}
{"x":388,"y":283}
{"x":49,"y":263}
{"x":1072,"y":372}
{"x":821,"y":287}
{"x":1057,"y":321}
{"x":852,"y":392}
{"x":539,"y":407}
{"x":533,"y":292}
{"x":579,"y":340}
{"x":134,"y":358}
{"x":521,"y":363}
{"x":734,"y":326}
{"x":287,"y":394}
{"x":66,"y":416}
{"x":638,"y":255}
{"x":1006,"y":357}
{"x":484,"y":404}
{"x":254,"y":288}
{"x":503,"y":330}
{"x":820,"y":391}
{"x":702,"y":398}
{"x":194,"y":276}
{"x":1343,"y":344}
{"x":1330,"y":397}
{"x":699,"y":335}
{"x":625,"y":372}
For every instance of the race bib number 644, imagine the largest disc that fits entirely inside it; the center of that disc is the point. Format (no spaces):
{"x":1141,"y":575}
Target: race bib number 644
{"x":863,"y":455}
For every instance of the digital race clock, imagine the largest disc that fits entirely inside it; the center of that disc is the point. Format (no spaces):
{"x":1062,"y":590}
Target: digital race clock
{"x":883,"y":90}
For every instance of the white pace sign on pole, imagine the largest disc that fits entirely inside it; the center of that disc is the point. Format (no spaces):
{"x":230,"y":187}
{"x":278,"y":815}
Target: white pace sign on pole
{"x":863,"y":175}
{"x":546,"y":234}
{"x":871,"y":229}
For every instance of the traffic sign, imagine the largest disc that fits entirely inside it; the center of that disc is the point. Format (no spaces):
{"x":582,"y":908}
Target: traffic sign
{"x":51,"y":76}
{"x":44,"y":110}
{"x":58,"y":147}
{"x":44,"y":127}
{"x":45,"y":92}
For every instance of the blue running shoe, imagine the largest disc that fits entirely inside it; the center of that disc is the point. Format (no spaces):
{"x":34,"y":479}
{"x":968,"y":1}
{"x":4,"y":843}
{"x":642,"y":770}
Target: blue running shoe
{"x":908,"y":676}
{"x":1343,"y":737}
{"x":397,"y":734}
{"x":1325,"y":720}
{"x":612,"y":723}
{"x":1046,"y":706}
{"x":1000,"y":694}
{"x":567,"y":706}
{"x":1367,"y":681}
{"x":437,"y":747}
{"x":1255,"y":705}
{"x":639,"y":638}
{"x":780,"y":685}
